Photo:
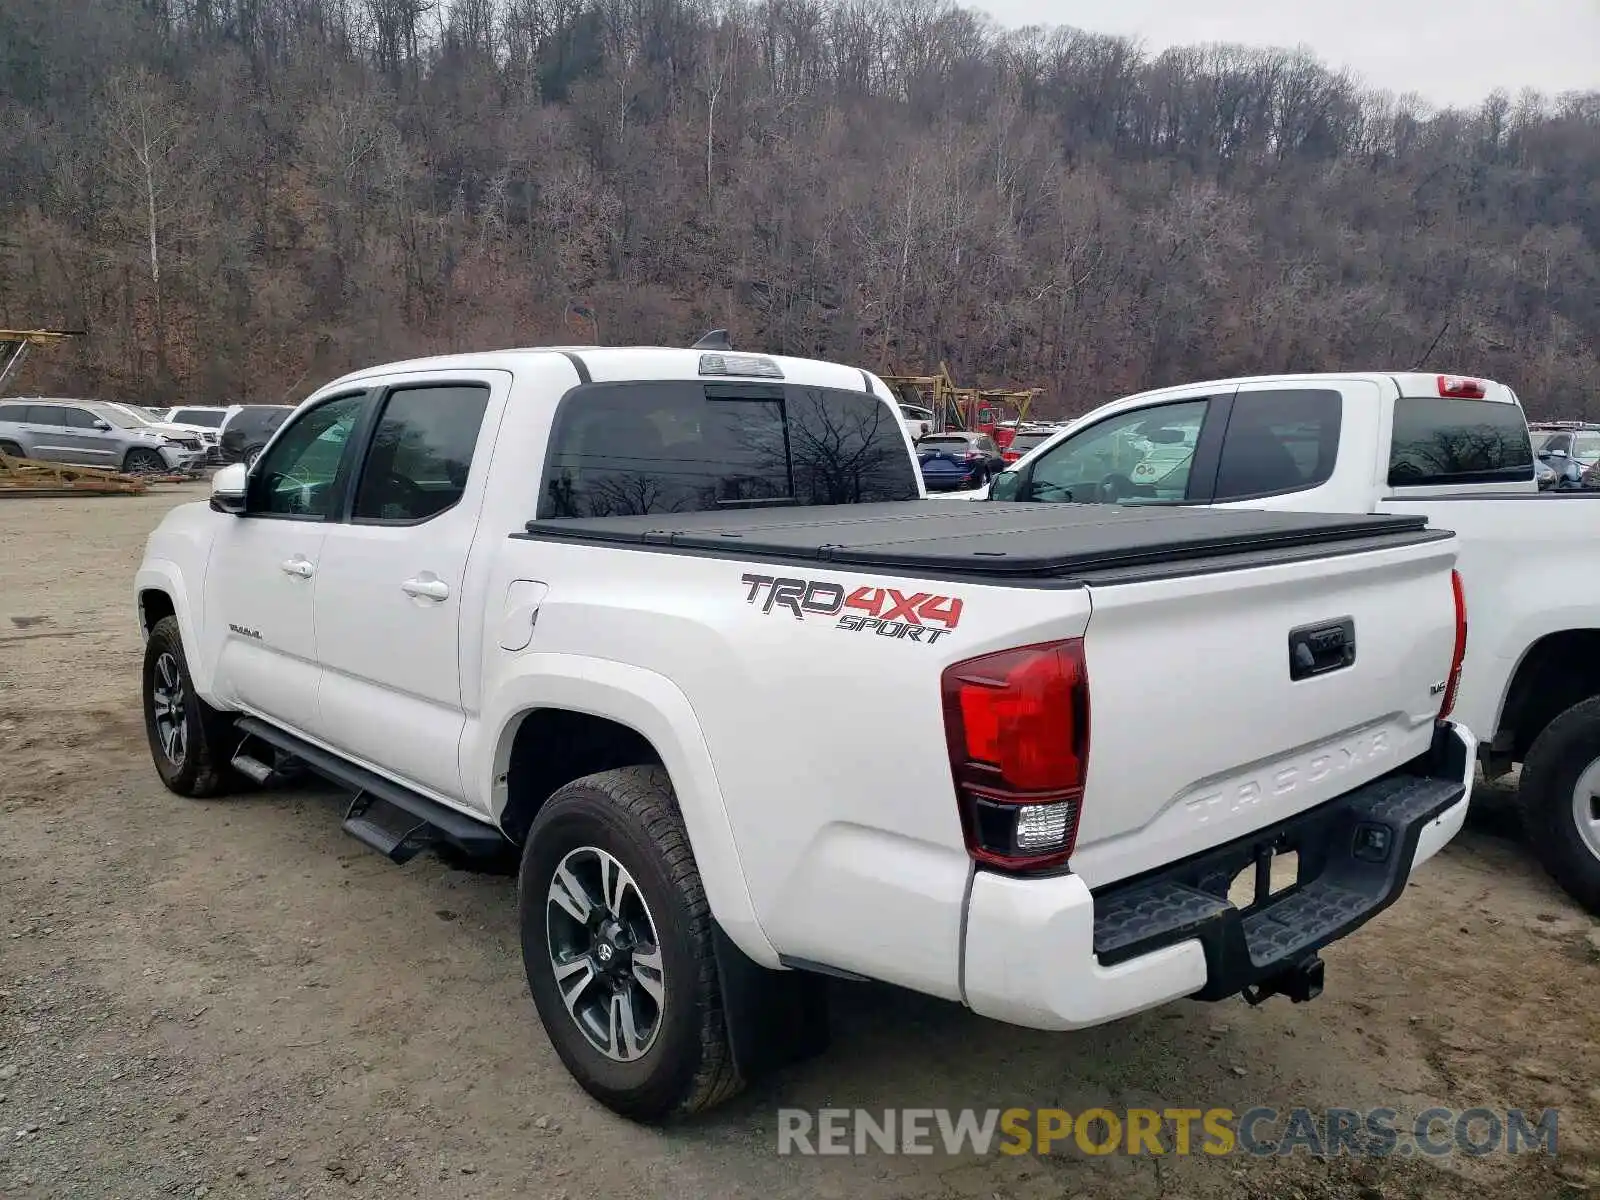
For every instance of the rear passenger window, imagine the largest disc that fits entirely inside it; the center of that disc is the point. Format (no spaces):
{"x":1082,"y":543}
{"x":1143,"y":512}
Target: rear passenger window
{"x":626,"y":449}
{"x":70,"y":418}
{"x":1439,"y":441}
{"x":421,"y":452}
{"x":1279,"y":441}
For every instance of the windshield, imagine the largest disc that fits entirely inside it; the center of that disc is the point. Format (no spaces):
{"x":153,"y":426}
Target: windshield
{"x":210,"y":418}
{"x":1024,"y":442}
{"x":117,"y":415}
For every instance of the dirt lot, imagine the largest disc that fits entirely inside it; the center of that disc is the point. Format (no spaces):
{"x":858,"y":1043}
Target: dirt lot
{"x":231,"y":998}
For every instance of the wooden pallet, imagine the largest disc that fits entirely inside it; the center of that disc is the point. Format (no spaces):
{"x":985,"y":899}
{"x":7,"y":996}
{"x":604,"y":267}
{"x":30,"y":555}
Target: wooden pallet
{"x":30,"y":477}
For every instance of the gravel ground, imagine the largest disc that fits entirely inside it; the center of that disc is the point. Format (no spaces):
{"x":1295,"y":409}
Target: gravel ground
{"x":231,"y":998}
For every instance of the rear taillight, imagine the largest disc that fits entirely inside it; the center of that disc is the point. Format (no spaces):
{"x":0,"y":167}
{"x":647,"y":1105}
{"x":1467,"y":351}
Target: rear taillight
{"x":1453,"y":683}
{"x":1010,"y":456}
{"x":1455,"y":387}
{"x":1017,"y":727}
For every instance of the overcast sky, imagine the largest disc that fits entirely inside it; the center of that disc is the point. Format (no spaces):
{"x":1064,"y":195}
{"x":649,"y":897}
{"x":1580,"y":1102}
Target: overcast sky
{"x":1451,"y":51}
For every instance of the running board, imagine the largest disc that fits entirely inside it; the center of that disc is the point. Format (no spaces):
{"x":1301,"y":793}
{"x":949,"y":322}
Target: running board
{"x":389,"y":817}
{"x":388,"y":829}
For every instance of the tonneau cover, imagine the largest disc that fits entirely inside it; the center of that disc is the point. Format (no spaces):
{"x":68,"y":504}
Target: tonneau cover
{"x":984,"y":538}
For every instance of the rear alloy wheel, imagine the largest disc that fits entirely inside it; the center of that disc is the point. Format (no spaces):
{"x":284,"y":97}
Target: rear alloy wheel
{"x":1559,"y":797}
{"x":617,"y":945}
{"x":144,"y":462}
{"x":605,"y":953}
{"x":251,"y":454}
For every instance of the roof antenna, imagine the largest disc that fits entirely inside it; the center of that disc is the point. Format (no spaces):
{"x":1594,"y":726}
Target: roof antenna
{"x":717,"y":339}
{"x":1437,"y":339}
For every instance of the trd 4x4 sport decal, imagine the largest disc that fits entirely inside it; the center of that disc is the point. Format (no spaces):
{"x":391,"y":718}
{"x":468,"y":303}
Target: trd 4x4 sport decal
{"x":912,"y":616}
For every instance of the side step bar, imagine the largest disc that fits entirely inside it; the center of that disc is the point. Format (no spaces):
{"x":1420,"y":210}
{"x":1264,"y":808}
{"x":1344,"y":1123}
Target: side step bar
{"x":389,"y":817}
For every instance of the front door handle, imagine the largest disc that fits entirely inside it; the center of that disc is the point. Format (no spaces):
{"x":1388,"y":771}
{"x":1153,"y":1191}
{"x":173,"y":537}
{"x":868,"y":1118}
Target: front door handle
{"x":426,"y":587}
{"x":299,"y":567}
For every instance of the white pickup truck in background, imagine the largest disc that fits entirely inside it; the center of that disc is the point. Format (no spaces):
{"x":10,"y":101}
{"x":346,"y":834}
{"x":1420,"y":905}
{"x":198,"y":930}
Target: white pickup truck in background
{"x":1450,"y":448}
{"x":682,"y":630}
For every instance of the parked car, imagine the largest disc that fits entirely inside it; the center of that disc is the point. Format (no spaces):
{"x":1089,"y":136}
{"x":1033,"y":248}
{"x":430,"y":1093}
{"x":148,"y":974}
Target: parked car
{"x":951,"y":461}
{"x":918,"y":421}
{"x":248,"y":429}
{"x":1022,"y":442}
{"x":90,"y":433}
{"x":185,"y":435}
{"x":1456,"y":450}
{"x":1577,"y":440}
{"x":205,"y":421}
{"x":683,"y":631}
{"x":1555,"y":468}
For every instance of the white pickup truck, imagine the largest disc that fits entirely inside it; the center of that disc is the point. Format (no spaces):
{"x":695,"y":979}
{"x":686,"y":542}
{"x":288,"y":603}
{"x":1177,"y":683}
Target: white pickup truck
{"x":1451,"y":448}
{"x":581,"y":605}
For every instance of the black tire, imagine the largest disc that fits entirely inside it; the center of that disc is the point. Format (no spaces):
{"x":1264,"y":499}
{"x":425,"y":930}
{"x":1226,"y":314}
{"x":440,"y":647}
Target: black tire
{"x":632,"y":815}
{"x":201,"y":768}
{"x":11,"y":450}
{"x":1545,"y":796}
{"x":251,"y":454}
{"x":144,"y":462}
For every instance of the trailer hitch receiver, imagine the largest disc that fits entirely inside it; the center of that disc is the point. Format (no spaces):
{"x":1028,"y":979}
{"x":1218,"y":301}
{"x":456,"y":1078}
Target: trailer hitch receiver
{"x":1301,"y":982}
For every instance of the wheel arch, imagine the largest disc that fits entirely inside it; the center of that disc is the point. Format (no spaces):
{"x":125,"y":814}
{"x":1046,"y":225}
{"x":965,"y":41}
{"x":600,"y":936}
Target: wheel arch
{"x":160,"y":592}
{"x":585,"y":715}
{"x":1556,"y":671}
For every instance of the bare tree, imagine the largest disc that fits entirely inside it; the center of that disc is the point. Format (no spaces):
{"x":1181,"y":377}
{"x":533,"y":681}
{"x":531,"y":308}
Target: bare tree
{"x":155,"y":156}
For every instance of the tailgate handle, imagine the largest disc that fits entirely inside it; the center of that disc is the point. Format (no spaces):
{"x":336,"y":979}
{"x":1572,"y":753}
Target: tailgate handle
{"x":1318,"y":649}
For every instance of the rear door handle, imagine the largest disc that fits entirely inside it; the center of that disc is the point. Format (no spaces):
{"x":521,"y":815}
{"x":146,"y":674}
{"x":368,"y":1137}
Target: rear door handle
{"x":299,"y":567}
{"x":426,"y":587}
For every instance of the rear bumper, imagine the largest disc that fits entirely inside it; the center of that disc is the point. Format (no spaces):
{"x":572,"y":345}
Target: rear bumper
{"x":1050,"y":954}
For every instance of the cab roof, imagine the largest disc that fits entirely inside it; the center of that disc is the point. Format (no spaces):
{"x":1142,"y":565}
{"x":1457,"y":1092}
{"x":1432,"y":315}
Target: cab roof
{"x":622,"y":363}
{"x":1409,"y":384}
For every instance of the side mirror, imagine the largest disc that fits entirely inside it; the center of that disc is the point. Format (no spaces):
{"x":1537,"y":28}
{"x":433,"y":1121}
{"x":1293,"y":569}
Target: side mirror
{"x":103,"y":426}
{"x":228,"y":488}
{"x":1006,"y":486}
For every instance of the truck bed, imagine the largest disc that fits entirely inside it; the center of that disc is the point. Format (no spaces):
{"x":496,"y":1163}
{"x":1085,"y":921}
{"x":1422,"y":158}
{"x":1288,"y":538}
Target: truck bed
{"x":998,"y":541}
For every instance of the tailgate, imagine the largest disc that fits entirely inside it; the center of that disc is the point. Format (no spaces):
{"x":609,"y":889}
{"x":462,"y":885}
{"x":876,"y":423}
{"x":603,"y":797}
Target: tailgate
{"x":1204,"y":730}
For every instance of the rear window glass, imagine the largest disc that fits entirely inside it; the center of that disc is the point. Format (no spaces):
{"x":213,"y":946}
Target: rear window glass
{"x":937,"y":440}
{"x":626,"y":449}
{"x":1027,"y":441}
{"x":1278,"y":441}
{"x":259,"y":418}
{"x":1441,"y":441}
{"x":210,"y":418}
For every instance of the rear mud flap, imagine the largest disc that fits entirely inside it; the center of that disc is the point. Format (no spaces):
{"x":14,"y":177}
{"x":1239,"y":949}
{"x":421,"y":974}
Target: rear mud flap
{"x":774,"y":1018}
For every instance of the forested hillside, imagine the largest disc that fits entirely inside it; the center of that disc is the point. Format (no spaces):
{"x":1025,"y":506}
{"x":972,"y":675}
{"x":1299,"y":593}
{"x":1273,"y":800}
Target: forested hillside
{"x":242,"y":198}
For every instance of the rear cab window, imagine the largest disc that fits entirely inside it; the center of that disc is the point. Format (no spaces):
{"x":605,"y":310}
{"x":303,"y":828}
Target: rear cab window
{"x":1439,"y":441}
{"x":1277,"y":441}
{"x":626,"y":449}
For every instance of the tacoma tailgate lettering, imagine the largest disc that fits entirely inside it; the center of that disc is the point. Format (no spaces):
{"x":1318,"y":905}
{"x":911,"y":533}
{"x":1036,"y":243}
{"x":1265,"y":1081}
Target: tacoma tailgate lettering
{"x":1238,"y":796}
